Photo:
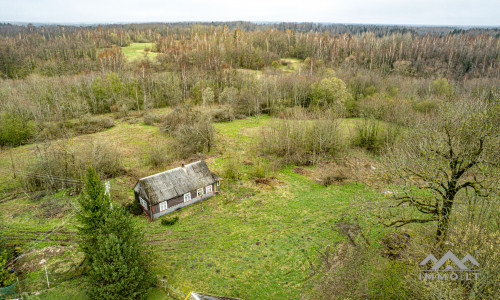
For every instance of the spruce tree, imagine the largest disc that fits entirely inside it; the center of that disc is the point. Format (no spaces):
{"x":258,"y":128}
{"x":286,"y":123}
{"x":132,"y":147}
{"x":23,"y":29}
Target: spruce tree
{"x":94,"y":205}
{"x":119,"y":267}
{"x":113,"y":246}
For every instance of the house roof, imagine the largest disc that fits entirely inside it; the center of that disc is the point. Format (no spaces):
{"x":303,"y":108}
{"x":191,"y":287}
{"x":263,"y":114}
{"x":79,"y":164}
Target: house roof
{"x":175,"y":182}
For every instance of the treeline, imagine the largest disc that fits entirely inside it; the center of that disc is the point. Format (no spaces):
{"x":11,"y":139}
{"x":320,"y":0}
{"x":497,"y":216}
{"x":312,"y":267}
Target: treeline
{"x":454,"y":56}
{"x":58,"y":50}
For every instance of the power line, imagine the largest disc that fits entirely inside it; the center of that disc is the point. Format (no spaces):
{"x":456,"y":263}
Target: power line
{"x":50,"y":232}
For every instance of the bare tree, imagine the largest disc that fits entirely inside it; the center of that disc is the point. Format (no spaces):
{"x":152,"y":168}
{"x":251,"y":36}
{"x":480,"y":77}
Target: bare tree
{"x":448,"y":154}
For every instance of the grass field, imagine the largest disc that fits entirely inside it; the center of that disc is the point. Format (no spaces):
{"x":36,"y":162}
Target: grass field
{"x":254,"y":241}
{"x":292,"y":64}
{"x":137,"y":51}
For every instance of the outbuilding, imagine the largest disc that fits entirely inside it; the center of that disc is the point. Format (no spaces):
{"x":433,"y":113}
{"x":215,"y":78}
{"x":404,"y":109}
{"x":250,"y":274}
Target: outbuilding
{"x":171,"y":190}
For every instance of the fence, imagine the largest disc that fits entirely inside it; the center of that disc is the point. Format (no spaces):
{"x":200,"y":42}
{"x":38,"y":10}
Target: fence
{"x":11,"y":290}
{"x":163,"y":283}
{"x":39,"y":282}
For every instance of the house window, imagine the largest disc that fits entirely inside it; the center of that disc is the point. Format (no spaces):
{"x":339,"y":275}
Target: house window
{"x":199,"y":192}
{"x":163,"y":206}
{"x":218,"y":183}
{"x":208,"y":189}
{"x":187,"y":197}
{"x":143,"y":203}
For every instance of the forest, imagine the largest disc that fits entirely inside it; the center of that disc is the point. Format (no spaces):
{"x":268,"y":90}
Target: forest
{"x":348,"y":153}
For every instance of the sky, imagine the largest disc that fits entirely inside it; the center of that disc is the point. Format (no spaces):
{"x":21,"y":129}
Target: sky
{"x":406,"y":12}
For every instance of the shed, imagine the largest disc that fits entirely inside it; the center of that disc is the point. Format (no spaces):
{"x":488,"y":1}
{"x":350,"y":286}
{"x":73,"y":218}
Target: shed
{"x":165,"y":192}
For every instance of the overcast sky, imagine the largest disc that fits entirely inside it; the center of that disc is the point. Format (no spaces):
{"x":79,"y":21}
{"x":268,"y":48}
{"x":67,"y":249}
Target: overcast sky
{"x":424,"y":12}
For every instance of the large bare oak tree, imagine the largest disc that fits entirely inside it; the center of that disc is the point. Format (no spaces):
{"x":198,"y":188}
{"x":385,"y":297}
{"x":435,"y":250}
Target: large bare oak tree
{"x":453,"y":152}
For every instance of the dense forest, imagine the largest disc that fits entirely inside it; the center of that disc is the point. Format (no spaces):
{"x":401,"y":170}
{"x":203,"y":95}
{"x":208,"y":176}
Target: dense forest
{"x":332,"y":103}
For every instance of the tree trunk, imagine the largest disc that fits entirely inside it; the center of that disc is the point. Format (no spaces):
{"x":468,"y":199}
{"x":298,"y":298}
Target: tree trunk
{"x":444,"y":220}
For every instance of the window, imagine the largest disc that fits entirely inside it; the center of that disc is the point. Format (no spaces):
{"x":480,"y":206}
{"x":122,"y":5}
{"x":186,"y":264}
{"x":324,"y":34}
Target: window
{"x":143,"y":203}
{"x":199,"y":192}
{"x":218,"y":183}
{"x":208,"y":189}
{"x":163,"y":206}
{"x":187,"y":197}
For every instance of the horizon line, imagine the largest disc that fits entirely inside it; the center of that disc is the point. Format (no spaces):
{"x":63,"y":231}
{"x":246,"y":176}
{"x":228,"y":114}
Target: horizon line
{"x":254,"y":22}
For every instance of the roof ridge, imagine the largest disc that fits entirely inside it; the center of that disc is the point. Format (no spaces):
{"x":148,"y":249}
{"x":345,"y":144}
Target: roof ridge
{"x":171,"y":170}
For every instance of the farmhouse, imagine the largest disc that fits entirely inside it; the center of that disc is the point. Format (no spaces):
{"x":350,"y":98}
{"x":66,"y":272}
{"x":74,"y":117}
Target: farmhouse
{"x":171,"y":190}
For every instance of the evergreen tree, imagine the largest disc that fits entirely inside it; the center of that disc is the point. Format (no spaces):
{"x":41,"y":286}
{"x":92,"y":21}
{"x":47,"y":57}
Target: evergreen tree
{"x":119,"y":267}
{"x":113,"y":246}
{"x":94,"y":206}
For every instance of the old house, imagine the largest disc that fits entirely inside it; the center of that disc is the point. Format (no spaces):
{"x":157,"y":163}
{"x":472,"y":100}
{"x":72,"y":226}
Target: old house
{"x":168,"y":191}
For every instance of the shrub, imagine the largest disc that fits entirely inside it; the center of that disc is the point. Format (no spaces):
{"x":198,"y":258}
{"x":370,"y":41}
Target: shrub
{"x":169,"y":221}
{"x":60,"y":165}
{"x":6,"y":277}
{"x":134,"y":208}
{"x":191,"y":130}
{"x":231,"y":167}
{"x":158,"y":156}
{"x":330,"y":91}
{"x":368,"y":135}
{"x":427,"y":106}
{"x":259,"y":170}
{"x":105,"y":159}
{"x":302,"y":142}
{"x":15,"y":129}
{"x":84,"y":125}
{"x":223,"y":114}
{"x":192,"y":139}
{"x":151,"y":118}
{"x":333,"y":174}
{"x":441,"y":87}
{"x":92,"y":124}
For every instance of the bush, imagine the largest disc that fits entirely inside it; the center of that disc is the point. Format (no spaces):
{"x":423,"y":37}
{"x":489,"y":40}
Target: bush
{"x":6,"y":278}
{"x":134,"y":208}
{"x":427,"y":106}
{"x":158,"y":156}
{"x":191,"y":130}
{"x":105,"y":159}
{"x":223,"y":114}
{"x":333,"y":174}
{"x":169,"y":221}
{"x":330,"y":91}
{"x":151,"y":119}
{"x":441,"y":87}
{"x":259,"y":170}
{"x":15,"y":129}
{"x":368,"y":135}
{"x":302,"y":142}
{"x":84,"y":125}
{"x":231,"y":167}
{"x":60,"y":165}
{"x":193,"y":139}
